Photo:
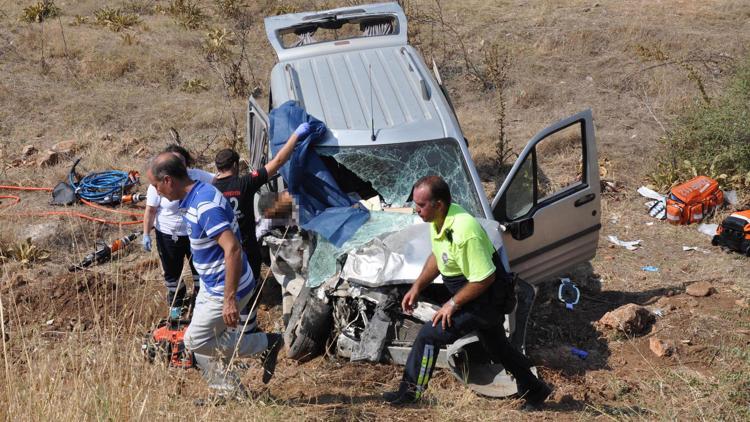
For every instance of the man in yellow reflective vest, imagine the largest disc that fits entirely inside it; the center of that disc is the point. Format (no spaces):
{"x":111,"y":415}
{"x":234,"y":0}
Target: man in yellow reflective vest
{"x":471,"y":269}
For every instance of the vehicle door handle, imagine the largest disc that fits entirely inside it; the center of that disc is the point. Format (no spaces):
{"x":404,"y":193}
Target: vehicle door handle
{"x":585,"y":199}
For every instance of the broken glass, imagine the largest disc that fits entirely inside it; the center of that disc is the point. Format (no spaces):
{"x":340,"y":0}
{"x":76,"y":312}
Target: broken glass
{"x":393,"y":169}
{"x":324,"y":260}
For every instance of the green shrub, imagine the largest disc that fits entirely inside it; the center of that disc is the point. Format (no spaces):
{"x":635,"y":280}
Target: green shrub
{"x":115,"y":19}
{"x":231,"y":9}
{"x":712,"y":138}
{"x":194,"y":86}
{"x":187,"y":13}
{"x":40,"y":11}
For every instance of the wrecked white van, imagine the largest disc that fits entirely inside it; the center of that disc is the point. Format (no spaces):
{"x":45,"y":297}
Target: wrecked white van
{"x":390,"y":122}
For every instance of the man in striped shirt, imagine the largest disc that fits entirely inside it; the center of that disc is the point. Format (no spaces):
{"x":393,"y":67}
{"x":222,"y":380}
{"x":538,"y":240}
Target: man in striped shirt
{"x":227,"y":282}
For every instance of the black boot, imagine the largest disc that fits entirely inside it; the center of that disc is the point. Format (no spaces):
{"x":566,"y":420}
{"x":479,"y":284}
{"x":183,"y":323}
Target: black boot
{"x":535,"y":396}
{"x":404,"y":395}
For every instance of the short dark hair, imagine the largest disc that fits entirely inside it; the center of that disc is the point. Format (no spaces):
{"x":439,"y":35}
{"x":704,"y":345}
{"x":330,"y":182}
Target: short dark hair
{"x":168,"y":164}
{"x":226,"y":158}
{"x":439,"y":190}
{"x":189,"y":161}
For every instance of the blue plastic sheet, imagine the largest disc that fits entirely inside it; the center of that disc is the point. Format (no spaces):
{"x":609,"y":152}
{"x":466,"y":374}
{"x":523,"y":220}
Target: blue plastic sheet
{"x":323,"y":207}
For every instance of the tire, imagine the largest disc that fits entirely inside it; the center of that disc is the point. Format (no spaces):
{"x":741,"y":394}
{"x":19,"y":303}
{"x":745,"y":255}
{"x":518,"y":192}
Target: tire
{"x":309,"y":326}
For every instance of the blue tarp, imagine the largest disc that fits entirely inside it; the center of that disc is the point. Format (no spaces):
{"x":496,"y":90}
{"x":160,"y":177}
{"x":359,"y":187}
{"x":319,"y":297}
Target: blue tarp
{"x":323,"y":207}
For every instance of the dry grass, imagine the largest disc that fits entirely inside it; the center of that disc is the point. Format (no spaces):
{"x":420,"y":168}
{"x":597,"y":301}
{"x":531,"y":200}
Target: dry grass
{"x":116,"y":94}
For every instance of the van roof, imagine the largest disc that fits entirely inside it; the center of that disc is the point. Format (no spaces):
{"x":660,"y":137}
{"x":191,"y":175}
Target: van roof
{"x":360,"y":84}
{"x":351,"y":90}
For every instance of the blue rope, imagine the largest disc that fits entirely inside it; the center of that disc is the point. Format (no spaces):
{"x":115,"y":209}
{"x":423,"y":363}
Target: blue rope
{"x":98,"y":186}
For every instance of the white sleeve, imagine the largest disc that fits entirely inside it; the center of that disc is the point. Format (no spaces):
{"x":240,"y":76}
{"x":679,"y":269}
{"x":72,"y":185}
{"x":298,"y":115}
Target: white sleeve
{"x":201,"y":175}
{"x":153,"y":199}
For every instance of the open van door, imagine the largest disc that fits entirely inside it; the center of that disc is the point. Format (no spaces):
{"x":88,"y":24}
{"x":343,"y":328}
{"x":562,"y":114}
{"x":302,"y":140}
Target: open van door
{"x":257,"y":134}
{"x":550,"y":201}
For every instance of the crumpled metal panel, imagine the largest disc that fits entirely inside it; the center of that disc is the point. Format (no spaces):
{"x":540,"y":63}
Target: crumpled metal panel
{"x":324,"y":260}
{"x":373,"y":338}
{"x":394,"y":258}
{"x":398,"y":257}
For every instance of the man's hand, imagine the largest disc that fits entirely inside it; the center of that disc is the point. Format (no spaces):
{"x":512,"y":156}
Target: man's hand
{"x":230,"y":314}
{"x":302,"y":130}
{"x":146,"y":242}
{"x":444,"y":315}
{"x":409,"y":300}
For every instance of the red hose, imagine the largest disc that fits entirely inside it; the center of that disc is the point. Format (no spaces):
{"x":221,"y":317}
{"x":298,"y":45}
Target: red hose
{"x":68,"y":213}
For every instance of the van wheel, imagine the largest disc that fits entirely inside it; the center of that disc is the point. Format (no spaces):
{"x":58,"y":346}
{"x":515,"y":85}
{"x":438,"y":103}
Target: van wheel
{"x":309,"y":326}
{"x":715,"y":241}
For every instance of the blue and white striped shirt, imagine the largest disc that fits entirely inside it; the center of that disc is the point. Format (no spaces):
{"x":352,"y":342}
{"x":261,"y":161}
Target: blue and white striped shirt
{"x":207,"y":214}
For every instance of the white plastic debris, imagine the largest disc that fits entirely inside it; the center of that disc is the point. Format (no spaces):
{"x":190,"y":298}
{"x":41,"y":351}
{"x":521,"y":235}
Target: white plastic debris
{"x":694,"y":248}
{"x":708,"y":229}
{"x":651,"y":194}
{"x":731,"y":197}
{"x":629,"y":245}
{"x":657,"y":207}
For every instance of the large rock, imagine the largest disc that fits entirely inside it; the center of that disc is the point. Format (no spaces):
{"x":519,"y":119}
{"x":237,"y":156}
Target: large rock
{"x":65,"y":147}
{"x":700,"y":289}
{"x":630,"y":319}
{"x":661,"y":348}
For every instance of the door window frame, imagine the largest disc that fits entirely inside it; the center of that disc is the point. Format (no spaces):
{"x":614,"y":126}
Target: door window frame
{"x":499,"y":212}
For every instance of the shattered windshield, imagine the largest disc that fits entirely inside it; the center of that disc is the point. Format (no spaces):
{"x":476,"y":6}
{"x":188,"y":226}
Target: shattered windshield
{"x":392,"y":169}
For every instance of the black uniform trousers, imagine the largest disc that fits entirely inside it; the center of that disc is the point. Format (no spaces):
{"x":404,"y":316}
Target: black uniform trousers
{"x":172,"y":254}
{"x":482,"y":315}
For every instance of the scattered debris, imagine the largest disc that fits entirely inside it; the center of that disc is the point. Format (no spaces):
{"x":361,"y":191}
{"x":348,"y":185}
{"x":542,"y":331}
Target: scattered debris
{"x":730,"y":197}
{"x":695,"y":248}
{"x":630,"y":319}
{"x":629,"y":245}
{"x":582,"y":354}
{"x":657,"y":205}
{"x":650,"y":268}
{"x":708,"y":229}
{"x":657,"y":312}
{"x":742,"y":303}
{"x":661,"y":348}
{"x":700,"y":289}
{"x":568,"y":293}
{"x":49,"y":158}
{"x":28,"y":151}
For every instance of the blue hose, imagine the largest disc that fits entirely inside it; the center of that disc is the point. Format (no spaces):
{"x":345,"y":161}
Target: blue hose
{"x":101,"y":187}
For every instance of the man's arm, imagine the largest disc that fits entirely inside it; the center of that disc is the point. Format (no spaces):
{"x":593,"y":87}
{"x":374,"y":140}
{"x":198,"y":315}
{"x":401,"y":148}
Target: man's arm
{"x":469,"y":292}
{"x":286,"y":151}
{"x":429,"y":273}
{"x":233,"y":271}
{"x":149,"y":215}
